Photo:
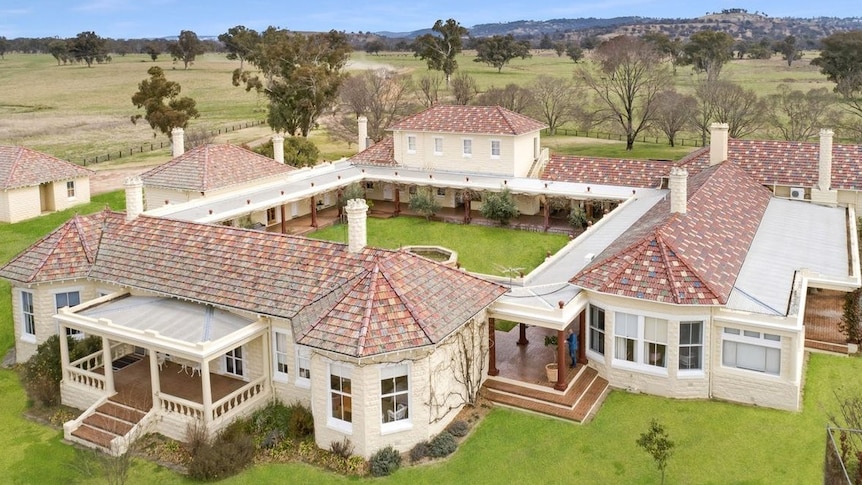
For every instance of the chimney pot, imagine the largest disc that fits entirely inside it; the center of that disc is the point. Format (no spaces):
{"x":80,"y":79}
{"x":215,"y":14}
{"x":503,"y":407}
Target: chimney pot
{"x":717,"y":143}
{"x":824,"y":181}
{"x":178,"y":139}
{"x":278,"y":148}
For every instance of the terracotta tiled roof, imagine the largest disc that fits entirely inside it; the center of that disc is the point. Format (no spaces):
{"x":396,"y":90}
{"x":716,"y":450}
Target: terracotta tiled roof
{"x":66,"y":253}
{"x":22,"y":167}
{"x":401,"y":301}
{"x":210,"y":167}
{"x":380,"y":153}
{"x":788,"y":163}
{"x":488,"y":120}
{"x":685,"y":259}
{"x":356,"y":304}
{"x":607,"y":171}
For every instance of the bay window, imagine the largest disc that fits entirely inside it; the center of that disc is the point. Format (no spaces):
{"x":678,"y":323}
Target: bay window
{"x":394,"y":394}
{"x":640,"y":339}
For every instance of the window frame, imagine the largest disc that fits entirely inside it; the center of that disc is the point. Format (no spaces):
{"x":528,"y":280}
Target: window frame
{"x":499,"y":146}
{"x":26,"y":335}
{"x":394,"y":372}
{"x":641,"y":357}
{"x":411,"y":144}
{"x":280,"y":356}
{"x":271,"y":215}
{"x":738,"y":336}
{"x":691,"y":345}
{"x":343,"y":373}
{"x":438,"y":143}
{"x":597,"y":334}
{"x":71,"y":332}
{"x":303,"y":365}
{"x":467,"y":147}
{"x":230,"y":359}
{"x":71,"y":190}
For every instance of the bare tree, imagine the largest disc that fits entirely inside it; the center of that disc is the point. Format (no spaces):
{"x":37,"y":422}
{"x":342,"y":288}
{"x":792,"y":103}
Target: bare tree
{"x":512,"y":97}
{"x":798,"y":116}
{"x":464,"y":88}
{"x":382,"y":96}
{"x":673,"y":113}
{"x":553,"y":100}
{"x":740,"y":108}
{"x":704,"y":115}
{"x":630,"y":76}
{"x":428,"y":90}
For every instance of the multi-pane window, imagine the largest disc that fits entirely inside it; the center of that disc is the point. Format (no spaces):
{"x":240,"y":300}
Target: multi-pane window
{"x":394,"y":394}
{"x":597,"y":329}
{"x":28,"y":317}
{"x":70,"y":299}
{"x":690,"y":345}
{"x":234,"y":362}
{"x":441,"y":192}
{"x":411,"y":143}
{"x":271,"y":217}
{"x":340,"y":394}
{"x":303,"y":363}
{"x":438,"y":145}
{"x":468,"y":147}
{"x":280,"y":350}
{"x":750,"y":350}
{"x":70,"y":189}
{"x":495,"y":148}
{"x":640,"y":339}
{"x":625,"y":336}
{"x":655,"y":341}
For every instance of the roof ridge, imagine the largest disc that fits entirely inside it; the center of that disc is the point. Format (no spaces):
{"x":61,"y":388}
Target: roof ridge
{"x":83,"y":238}
{"x":703,"y":281}
{"x":663,"y":246}
{"x":403,"y":298}
{"x":63,"y":230}
{"x":369,"y":305}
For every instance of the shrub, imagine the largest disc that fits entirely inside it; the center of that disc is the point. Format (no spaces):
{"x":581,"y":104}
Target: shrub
{"x":851,"y":323}
{"x":577,"y":217}
{"x":458,"y":428}
{"x":384,"y":461}
{"x":274,"y":417}
{"x":442,"y":445}
{"x":499,"y":206}
{"x":424,"y":203}
{"x":343,"y":448}
{"x":228,"y":454}
{"x":41,"y":374}
{"x":419,"y":451}
{"x":301,"y":422}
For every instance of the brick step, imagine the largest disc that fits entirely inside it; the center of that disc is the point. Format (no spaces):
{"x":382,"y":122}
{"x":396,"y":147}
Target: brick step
{"x":583,"y":379}
{"x":121,"y":411}
{"x":828,"y":346}
{"x":591,"y":399}
{"x":109,"y":423}
{"x":94,"y":435}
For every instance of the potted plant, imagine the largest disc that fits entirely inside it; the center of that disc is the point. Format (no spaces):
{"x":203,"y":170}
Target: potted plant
{"x":552,"y":370}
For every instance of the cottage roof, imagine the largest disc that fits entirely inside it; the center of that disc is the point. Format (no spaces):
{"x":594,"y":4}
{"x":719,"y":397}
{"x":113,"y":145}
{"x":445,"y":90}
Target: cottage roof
{"x":788,"y":163}
{"x":381,"y":153}
{"x":23,"y":167}
{"x":607,"y":171}
{"x":210,"y":167}
{"x":319,"y":285}
{"x":485,"y":120}
{"x":691,"y":258}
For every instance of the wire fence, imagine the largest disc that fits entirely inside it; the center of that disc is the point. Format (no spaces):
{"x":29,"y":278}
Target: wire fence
{"x":682,"y":142}
{"x":149,"y":147}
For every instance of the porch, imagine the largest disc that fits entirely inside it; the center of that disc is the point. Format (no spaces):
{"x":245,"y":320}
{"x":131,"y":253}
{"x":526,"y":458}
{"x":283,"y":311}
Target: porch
{"x":824,"y":310}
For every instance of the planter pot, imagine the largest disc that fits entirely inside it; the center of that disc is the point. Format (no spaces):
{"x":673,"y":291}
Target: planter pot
{"x":552,"y":371}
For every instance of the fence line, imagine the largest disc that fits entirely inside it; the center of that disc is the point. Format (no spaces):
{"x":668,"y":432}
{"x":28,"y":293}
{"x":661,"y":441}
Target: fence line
{"x":610,"y":136}
{"x":148,"y":147}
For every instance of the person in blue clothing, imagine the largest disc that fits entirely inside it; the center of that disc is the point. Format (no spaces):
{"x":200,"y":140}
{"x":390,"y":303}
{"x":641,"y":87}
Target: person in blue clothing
{"x":572,"y":340}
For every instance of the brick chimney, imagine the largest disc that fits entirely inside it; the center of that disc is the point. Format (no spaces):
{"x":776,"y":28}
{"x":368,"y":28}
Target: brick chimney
{"x":357,"y":233}
{"x":678,"y":184}
{"x":717,"y":143}
{"x":363,"y":133}
{"x":824,"y":181}
{"x":278,"y":148}
{"x":134,"y":197}
{"x":178,"y":142}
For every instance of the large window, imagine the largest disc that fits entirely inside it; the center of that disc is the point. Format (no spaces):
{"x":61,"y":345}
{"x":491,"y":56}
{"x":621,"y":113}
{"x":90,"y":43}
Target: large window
{"x":438,"y":145}
{"x":411,"y":143}
{"x":68,"y":299}
{"x":468,"y":147}
{"x":495,"y":148}
{"x":340,"y":396}
{"x":234,"y":362}
{"x":691,"y":345}
{"x":394,"y":394}
{"x":597,"y":329}
{"x":749,"y":350}
{"x":639,"y":339}
{"x":27,"y":316}
{"x":303,"y":366}
{"x":279,"y":342}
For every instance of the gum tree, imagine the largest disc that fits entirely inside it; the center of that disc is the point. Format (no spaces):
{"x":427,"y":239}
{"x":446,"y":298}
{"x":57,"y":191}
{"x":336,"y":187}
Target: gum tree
{"x":160,"y":98}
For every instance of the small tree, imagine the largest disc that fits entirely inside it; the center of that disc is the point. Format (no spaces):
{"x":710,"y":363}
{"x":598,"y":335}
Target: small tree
{"x":577,"y":217}
{"x":499,"y":206}
{"x":151,"y":96}
{"x":657,"y":443}
{"x":186,"y":48}
{"x":424,"y":203}
{"x":498,"y":50}
{"x":464,"y":88}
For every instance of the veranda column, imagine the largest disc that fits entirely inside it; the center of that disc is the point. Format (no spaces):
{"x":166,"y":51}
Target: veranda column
{"x":283,"y":220}
{"x":466,"y":207}
{"x":582,"y":337}
{"x":492,"y":348}
{"x":522,"y":334}
{"x":206,"y":392}
{"x":561,"y":361}
{"x":313,"y":213}
{"x":546,"y":213}
{"x":397,"y":201}
{"x":109,"y":369}
{"x":155,"y":377}
{"x":64,"y":350}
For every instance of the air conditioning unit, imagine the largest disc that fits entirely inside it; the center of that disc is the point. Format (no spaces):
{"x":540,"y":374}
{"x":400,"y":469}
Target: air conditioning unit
{"x":797,"y":193}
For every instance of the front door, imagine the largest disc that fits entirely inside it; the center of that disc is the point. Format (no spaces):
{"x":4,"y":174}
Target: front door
{"x":387,"y":192}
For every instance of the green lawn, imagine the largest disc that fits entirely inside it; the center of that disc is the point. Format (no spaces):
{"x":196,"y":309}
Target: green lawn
{"x":480,"y":249}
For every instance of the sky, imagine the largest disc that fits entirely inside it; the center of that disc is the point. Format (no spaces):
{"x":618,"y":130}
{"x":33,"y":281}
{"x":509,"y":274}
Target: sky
{"x":162,"y":18}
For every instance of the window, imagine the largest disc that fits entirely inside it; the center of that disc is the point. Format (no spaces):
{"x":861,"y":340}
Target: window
{"x":441,"y":192}
{"x":271,"y":217}
{"x":340,"y":396}
{"x":28,"y":318}
{"x":411,"y":143}
{"x":438,"y":145}
{"x":468,"y":147}
{"x":303,"y":366}
{"x":279,"y":342}
{"x":412,"y":190}
{"x":234,"y":362}
{"x":70,"y":189}
{"x":369,"y":185}
{"x":394,"y":394}
{"x":597,"y":329}
{"x":690,"y":345}
{"x":640,"y":339}
{"x":751,"y":351}
{"x":495,"y":148}
{"x":70,"y":299}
